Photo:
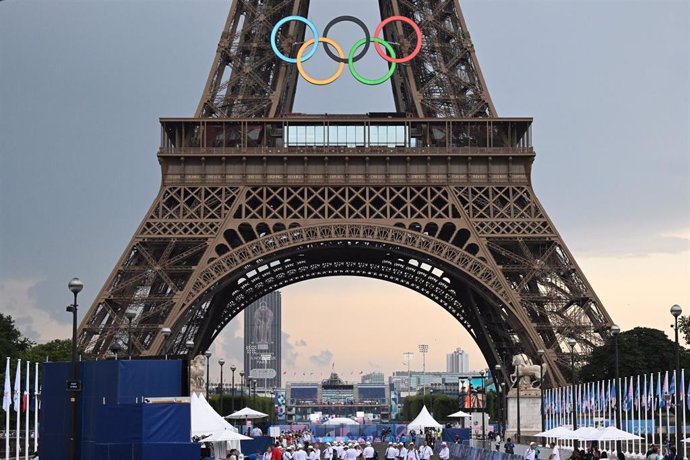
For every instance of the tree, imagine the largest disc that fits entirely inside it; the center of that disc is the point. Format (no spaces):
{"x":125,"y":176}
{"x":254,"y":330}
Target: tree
{"x":12,"y":342}
{"x":55,"y":350}
{"x":640,"y":350}
{"x":441,"y":405}
{"x":684,"y":328}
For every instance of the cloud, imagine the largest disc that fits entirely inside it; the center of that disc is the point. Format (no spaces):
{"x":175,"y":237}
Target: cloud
{"x":288,"y":351}
{"x":18,"y":299}
{"x":301,"y":343}
{"x":324,"y":358}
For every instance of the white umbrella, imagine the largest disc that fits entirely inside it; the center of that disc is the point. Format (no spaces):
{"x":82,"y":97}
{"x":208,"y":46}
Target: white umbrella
{"x":611,"y":433}
{"x":557,"y":432}
{"x":460,"y":414}
{"x":340,"y":421}
{"x":246,"y":413}
{"x":585,"y":433}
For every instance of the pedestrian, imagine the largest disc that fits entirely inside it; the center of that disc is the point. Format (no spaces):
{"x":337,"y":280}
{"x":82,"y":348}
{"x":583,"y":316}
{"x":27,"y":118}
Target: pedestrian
{"x":391,"y":452}
{"x":412,"y":452}
{"x":268,"y":455}
{"x":300,"y":453}
{"x":368,"y":452}
{"x":328,"y":452}
{"x":498,"y":442}
{"x":402,"y":451}
{"x":425,"y":451}
{"x":509,"y":447}
{"x":531,"y":452}
{"x":555,"y":451}
{"x":444,"y":453}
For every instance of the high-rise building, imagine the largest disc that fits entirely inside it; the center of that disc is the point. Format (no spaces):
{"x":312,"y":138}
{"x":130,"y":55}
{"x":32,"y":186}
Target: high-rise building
{"x":458,"y":361}
{"x":262,"y":342}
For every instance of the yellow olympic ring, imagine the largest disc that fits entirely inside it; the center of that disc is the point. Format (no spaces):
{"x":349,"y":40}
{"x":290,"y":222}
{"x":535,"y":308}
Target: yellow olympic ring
{"x":328,"y":80}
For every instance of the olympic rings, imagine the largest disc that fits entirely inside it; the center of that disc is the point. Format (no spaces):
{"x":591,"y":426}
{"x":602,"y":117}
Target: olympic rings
{"x":330,"y":79}
{"x":379,"y":43}
{"x":275,"y":32}
{"x":357,"y":75}
{"x":360,"y":24}
{"x":417,"y":48}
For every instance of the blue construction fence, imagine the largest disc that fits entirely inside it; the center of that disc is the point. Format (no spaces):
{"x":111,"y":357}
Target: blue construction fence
{"x":372,"y":433}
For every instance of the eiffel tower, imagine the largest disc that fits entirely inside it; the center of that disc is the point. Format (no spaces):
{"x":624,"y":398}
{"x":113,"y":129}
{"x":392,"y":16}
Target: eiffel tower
{"x":436,"y":197}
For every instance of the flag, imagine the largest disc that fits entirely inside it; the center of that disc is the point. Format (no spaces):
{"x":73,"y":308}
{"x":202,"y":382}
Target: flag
{"x":17,"y":384}
{"x":659,"y":398}
{"x":630,"y":394}
{"x":637,"y":394}
{"x":672,"y":390}
{"x":613,"y":395}
{"x":643,"y":401}
{"x":25,"y":396}
{"x":650,"y":394}
{"x":7,"y":393}
{"x":624,"y":394}
{"x":687,"y":397}
{"x":601,"y":396}
{"x":662,"y":402}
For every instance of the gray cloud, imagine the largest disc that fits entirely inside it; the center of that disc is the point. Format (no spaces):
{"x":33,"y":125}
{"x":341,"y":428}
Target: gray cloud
{"x":288,"y":351}
{"x":301,"y":343}
{"x":323,"y":359}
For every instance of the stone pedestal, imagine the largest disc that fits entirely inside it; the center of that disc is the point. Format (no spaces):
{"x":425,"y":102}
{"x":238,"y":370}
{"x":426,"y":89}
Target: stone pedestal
{"x":530,"y":412}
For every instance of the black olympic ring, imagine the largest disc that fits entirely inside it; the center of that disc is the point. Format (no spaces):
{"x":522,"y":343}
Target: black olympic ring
{"x":360,"y":24}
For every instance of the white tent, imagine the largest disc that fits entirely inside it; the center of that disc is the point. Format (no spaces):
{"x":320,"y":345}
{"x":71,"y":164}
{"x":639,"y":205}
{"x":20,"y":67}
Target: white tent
{"x":227,"y":435}
{"x":611,"y":433}
{"x":205,"y":420}
{"x":423,"y":420}
{"x":585,"y":433}
{"x":460,"y":414}
{"x":340,"y":421}
{"x":558,"y":432}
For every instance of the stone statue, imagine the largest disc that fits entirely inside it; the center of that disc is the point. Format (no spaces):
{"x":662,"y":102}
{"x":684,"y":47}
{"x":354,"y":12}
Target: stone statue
{"x":197,"y":374}
{"x":263,"y":324}
{"x":527,"y":374}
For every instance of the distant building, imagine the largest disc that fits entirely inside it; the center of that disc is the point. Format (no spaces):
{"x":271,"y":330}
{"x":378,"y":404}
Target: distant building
{"x":334,"y":397}
{"x":457,"y":362}
{"x":373,"y":377}
{"x":262,"y":342}
{"x":443,"y":382}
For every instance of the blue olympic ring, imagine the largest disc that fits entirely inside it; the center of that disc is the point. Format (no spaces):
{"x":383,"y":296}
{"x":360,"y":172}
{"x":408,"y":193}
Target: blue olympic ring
{"x":309,"y":24}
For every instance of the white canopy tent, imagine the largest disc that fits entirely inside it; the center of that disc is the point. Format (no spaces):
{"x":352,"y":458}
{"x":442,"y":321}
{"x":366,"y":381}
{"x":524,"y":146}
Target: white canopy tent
{"x":558,"y":432}
{"x":611,"y":433}
{"x":585,"y":433}
{"x":460,"y":414}
{"x":246,"y":414}
{"x":422,"y":421}
{"x":207,"y":424}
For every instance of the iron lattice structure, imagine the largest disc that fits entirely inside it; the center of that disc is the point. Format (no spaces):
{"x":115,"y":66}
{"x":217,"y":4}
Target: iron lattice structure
{"x":438,"y":199}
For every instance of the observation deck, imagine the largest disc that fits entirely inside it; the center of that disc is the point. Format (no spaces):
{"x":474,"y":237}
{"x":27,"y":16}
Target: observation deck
{"x":380,"y":148}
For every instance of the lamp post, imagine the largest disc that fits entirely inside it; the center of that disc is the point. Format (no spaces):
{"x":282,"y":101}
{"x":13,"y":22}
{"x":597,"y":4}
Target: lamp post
{"x":504,"y":409}
{"x":208,"y":369}
{"x":423,"y":349}
{"x":189,"y":345}
{"x":540,"y":354}
{"x":518,"y":434}
{"x":615,"y":330}
{"x":75,"y":286}
{"x":221,"y":362}
{"x":482,"y":373}
{"x":233,"y":368}
{"x":676,"y":311}
{"x":116,"y":348}
{"x":242,"y":388}
{"x":130,"y":315}
{"x":497,"y":372}
{"x":571,"y":343}
{"x":408,"y":356}
{"x":166,"y":333}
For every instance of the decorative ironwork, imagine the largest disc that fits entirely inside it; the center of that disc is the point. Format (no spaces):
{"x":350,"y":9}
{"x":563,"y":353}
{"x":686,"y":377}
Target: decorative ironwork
{"x":253,"y":198}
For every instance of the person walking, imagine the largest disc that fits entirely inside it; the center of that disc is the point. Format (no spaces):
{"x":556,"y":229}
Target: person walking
{"x":498,"y":442}
{"x":368,"y":452}
{"x":328,"y":452}
{"x":531,"y":452}
{"x":509,"y":446}
{"x":444,"y":453}
{"x":425,"y":451}
{"x":412,"y":452}
{"x":391,"y":452}
{"x":402,"y":451}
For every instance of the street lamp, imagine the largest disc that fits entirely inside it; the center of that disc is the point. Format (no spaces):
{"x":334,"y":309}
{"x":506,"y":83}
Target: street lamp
{"x":483,"y":375}
{"x":676,"y":311}
{"x":540,"y":354}
{"x":221,"y":362}
{"x":242,"y":388}
{"x":208,"y":369}
{"x":423,"y":349}
{"x":571,"y":343}
{"x":504,"y":409}
{"x":499,"y":412}
{"x":615,"y":330}
{"x":116,"y":348}
{"x":189,"y":345}
{"x":166,"y":333}
{"x":75,"y":286}
{"x":233,"y":368}
{"x":130,"y":315}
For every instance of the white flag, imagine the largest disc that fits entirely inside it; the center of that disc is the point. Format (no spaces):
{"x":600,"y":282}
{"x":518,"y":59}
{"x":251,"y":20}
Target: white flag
{"x":7,"y":394}
{"x":17,"y":384}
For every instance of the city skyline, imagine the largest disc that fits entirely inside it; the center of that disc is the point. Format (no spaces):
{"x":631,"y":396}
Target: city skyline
{"x":628,"y":234}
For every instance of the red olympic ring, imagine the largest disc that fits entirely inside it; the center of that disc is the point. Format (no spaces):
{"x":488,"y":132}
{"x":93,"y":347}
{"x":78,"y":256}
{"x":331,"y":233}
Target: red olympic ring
{"x":382,"y":52}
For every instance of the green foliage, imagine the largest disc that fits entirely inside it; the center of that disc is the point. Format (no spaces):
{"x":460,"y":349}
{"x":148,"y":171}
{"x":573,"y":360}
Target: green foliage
{"x":55,"y":350}
{"x":440,"y":405}
{"x":260,"y":403}
{"x":12,"y":343}
{"x":640,"y":350}
{"x":684,"y":328}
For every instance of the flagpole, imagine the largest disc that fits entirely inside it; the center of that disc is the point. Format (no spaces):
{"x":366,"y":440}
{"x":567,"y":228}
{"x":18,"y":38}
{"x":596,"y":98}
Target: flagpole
{"x":26,"y":410}
{"x":658,"y":404}
{"x":684,"y":407}
{"x":17,"y":407}
{"x":646,"y":424}
{"x":667,"y":404}
{"x":35,"y":407}
{"x":6,"y":406}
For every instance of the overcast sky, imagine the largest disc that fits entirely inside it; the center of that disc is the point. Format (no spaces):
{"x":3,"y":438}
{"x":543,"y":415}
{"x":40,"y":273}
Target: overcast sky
{"x":82,"y":84}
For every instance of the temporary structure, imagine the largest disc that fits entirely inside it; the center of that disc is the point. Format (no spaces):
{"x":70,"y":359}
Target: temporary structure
{"x":246,"y":414}
{"x":585,"y":433}
{"x":227,"y":435}
{"x":611,"y":433}
{"x":559,"y":432}
{"x":205,"y":420}
{"x":422,"y":421}
{"x":460,"y":414}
